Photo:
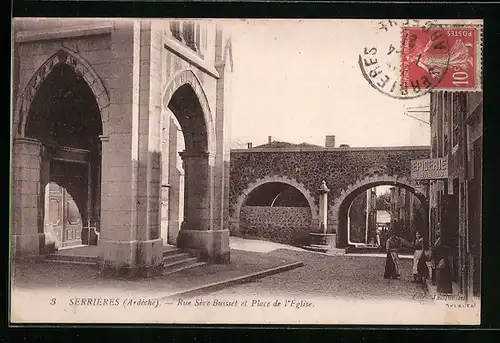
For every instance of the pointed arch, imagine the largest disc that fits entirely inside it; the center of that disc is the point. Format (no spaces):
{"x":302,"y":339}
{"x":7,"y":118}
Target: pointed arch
{"x":187,"y":77}
{"x":80,"y":67}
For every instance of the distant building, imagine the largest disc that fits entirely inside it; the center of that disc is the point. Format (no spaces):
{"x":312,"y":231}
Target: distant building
{"x":383,"y":217}
{"x":407,"y":214}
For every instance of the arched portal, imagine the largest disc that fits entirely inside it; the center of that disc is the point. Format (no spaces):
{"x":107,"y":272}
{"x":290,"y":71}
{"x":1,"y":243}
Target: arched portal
{"x":373,"y":213}
{"x":277,"y":209}
{"x":185,"y":100}
{"x":341,"y":206}
{"x":62,"y":112}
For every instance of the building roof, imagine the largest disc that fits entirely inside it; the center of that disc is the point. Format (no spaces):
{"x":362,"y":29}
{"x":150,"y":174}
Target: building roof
{"x":278,"y":144}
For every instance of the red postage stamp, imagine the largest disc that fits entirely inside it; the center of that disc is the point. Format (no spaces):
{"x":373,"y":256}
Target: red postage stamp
{"x":445,"y":57}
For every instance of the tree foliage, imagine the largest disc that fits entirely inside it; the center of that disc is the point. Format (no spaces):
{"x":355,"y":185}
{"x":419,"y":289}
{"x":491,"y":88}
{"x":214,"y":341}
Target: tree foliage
{"x":384,"y":201}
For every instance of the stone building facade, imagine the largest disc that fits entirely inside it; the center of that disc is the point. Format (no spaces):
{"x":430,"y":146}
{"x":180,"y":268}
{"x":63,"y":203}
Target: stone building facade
{"x":348,"y":172}
{"x":94,"y":106}
{"x":456,"y":202}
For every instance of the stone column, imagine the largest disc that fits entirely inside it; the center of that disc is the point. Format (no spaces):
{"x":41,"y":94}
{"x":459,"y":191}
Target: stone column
{"x":323,"y":207}
{"x":129,"y":242}
{"x":27,"y":201}
{"x":197,"y":233}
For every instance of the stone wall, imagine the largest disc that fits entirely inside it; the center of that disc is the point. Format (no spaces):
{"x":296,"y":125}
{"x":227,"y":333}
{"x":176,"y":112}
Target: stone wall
{"x":288,"y":225}
{"x":338,"y":167}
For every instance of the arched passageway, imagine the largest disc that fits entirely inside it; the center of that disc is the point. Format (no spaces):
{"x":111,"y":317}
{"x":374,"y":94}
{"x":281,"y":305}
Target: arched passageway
{"x":374,"y":213}
{"x":64,"y":117}
{"x":343,"y":203}
{"x":185,"y":100}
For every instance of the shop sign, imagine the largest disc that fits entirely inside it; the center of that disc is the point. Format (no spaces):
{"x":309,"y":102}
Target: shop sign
{"x":429,"y":169}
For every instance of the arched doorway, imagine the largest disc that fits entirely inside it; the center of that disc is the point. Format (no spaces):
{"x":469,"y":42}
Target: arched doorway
{"x":65,"y":118}
{"x":342,"y":205}
{"x":276,"y":211}
{"x":185,"y":100}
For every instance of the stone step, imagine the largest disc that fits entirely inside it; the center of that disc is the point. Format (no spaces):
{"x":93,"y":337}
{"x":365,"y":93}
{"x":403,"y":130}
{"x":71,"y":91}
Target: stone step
{"x":79,"y":259}
{"x":167,"y":264}
{"x":170,"y":251}
{"x":173,"y":257}
{"x":87,"y":263}
{"x":315,"y":247}
{"x":324,"y":249}
{"x":184,"y":266}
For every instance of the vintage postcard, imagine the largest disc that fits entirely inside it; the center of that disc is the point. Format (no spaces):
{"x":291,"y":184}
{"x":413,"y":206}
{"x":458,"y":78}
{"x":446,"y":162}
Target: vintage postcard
{"x":238,"y":171}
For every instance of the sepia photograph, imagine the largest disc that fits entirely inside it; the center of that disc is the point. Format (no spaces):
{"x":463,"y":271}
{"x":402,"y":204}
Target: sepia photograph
{"x":246,"y":171}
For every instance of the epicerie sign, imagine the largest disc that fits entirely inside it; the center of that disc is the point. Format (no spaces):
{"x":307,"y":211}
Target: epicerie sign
{"x":429,"y":169}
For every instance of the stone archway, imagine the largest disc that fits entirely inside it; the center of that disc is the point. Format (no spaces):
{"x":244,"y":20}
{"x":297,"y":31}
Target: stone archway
{"x":79,"y":66}
{"x":184,"y":97}
{"x":340,"y":205}
{"x":36,"y":148}
{"x":187,"y":77}
{"x":278,"y":179}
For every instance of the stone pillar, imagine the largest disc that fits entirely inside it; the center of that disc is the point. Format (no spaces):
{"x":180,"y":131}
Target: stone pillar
{"x":27,"y":201}
{"x":129,"y":242}
{"x":197,"y":233}
{"x":323,"y":207}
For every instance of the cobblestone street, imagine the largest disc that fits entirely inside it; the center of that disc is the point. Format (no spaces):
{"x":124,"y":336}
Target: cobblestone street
{"x":355,"y":277}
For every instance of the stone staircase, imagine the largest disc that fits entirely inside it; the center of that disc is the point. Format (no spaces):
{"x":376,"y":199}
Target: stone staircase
{"x":174,"y":260}
{"x":323,"y":242}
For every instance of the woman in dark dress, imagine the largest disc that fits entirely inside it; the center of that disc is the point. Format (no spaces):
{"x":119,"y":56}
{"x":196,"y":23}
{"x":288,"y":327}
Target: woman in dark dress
{"x":393,"y":244}
{"x":440,"y":254}
{"x":392,"y":259}
{"x":420,"y":270}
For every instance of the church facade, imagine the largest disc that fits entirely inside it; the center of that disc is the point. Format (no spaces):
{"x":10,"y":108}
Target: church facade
{"x":120,"y":133}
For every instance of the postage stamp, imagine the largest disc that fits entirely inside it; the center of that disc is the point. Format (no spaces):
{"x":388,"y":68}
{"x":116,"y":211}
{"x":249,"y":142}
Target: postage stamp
{"x":449,"y":55}
{"x":408,"y":59}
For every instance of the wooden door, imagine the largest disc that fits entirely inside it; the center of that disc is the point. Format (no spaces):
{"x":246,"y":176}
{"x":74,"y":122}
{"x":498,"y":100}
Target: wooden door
{"x":63,"y":216}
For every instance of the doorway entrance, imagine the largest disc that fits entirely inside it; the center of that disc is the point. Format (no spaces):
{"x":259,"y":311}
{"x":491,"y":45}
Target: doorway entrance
{"x":65,"y":118}
{"x":63,"y":220}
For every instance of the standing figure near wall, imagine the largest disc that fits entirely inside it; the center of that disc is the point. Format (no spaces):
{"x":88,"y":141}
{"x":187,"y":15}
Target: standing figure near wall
{"x":393,"y":244}
{"x":420,"y":270}
{"x":440,"y":253}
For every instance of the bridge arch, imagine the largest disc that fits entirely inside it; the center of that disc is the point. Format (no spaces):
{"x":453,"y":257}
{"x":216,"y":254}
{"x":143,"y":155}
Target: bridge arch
{"x":340,"y":207}
{"x":275,"y":179}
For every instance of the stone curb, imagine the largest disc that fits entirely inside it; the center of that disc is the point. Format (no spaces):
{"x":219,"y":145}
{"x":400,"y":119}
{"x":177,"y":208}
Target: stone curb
{"x":215,"y":286}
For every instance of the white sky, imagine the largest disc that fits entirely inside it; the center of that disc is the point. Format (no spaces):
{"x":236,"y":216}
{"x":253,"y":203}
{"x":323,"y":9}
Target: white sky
{"x":299,"y":80}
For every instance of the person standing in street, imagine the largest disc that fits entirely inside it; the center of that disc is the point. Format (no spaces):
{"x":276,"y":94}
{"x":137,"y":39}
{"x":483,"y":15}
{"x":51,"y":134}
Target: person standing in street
{"x":440,"y":253}
{"x":393,"y":244}
{"x":420,"y":270}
